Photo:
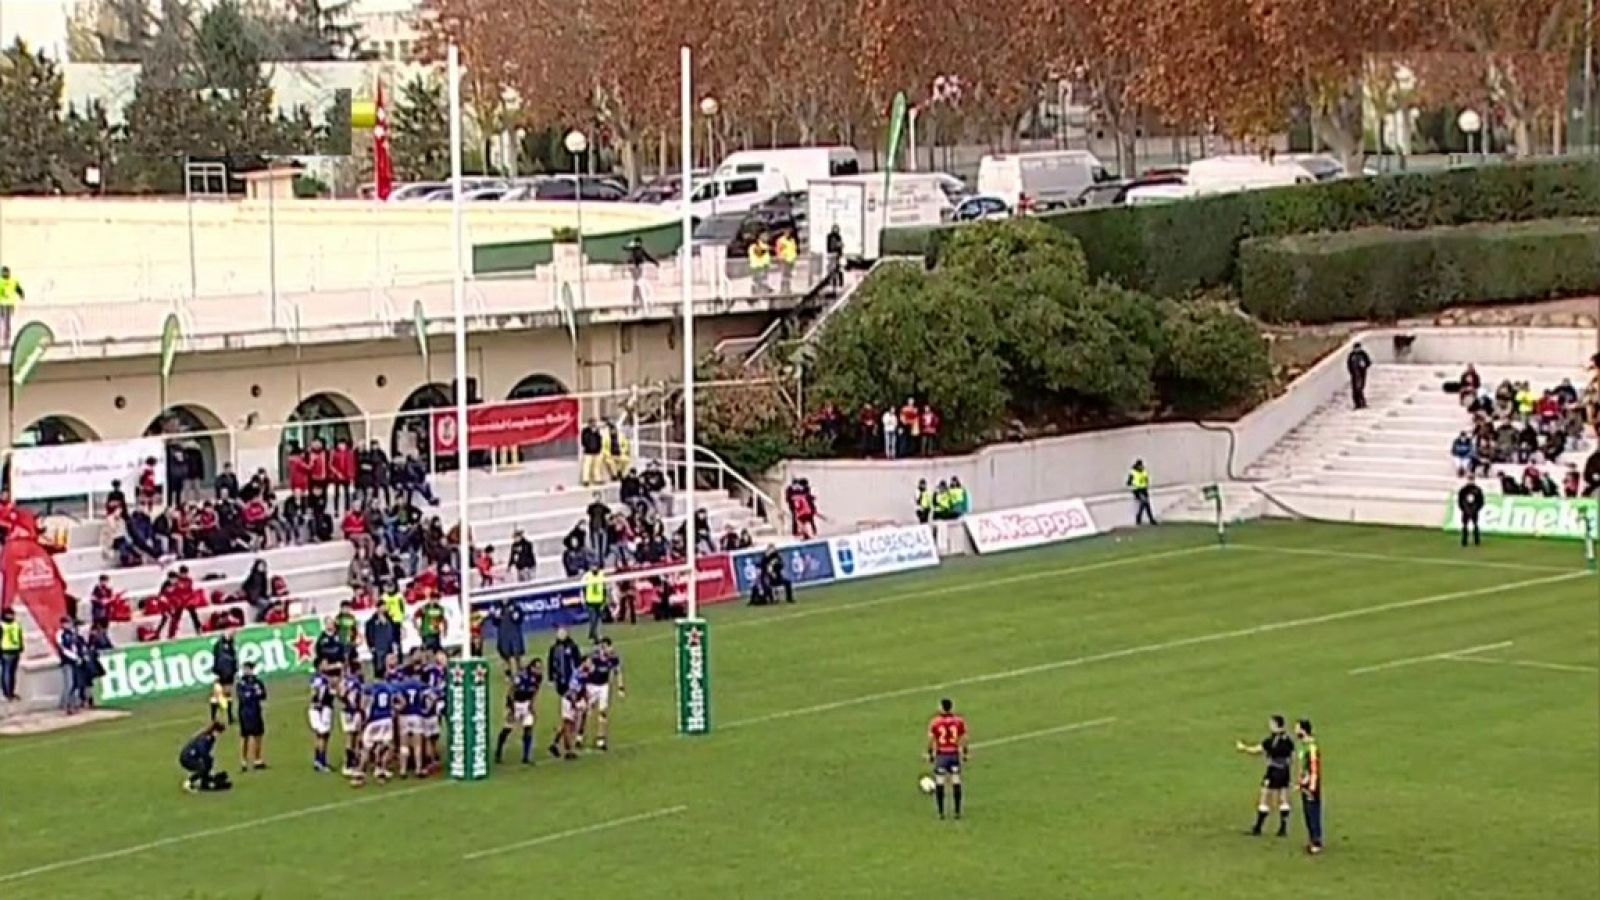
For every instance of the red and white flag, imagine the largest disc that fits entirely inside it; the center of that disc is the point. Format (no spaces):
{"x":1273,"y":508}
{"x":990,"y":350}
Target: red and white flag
{"x":383,"y":164}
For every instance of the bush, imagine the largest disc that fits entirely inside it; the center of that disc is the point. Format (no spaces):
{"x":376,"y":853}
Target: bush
{"x":1384,"y":274}
{"x":1173,"y":249}
{"x":1212,"y":359}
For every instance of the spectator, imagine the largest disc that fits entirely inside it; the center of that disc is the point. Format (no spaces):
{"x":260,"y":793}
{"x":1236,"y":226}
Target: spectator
{"x":598,"y":514}
{"x":522,"y":560}
{"x":342,"y":473}
{"x":321,"y":476}
{"x":868,"y":422}
{"x":654,"y":481}
{"x":376,"y":463}
{"x":11,"y":647}
{"x":703,"y":541}
{"x":638,"y":256}
{"x":802,"y":509}
{"x":116,"y":500}
{"x":1571,"y":482}
{"x":616,"y":452}
{"x":178,"y":596}
{"x":101,"y":597}
{"x":574,"y":561}
{"x":11,"y":294}
{"x":958,"y":498}
{"x":415,"y":482}
{"x":771,"y":576}
{"x":359,"y":575}
{"x":1469,"y":385}
{"x":910,"y":429}
{"x":95,"y":643}
{"x":483,"y":562}
{"x":354,"y":529}
{"x":299,"y":472}
{"x":891,"y":434}
{"x":835,"y":250}
{"x":592,"y":443}
{"x":148,"y":489}
{"x":226,"y":485}
{"x":631,"y":490}
{"x":69,"y":648}
{"x":930,"y":429}
{"x":257,"y":588}
{"x":924,"y":502}
{"x":1461,"y":451}
{"x":1357,"y":364}
{"x":730,"y":539}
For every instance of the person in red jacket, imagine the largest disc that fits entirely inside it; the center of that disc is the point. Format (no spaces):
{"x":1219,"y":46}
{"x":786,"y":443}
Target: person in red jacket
{"x":299,"y":472}
{"x":321,"y":476}
{"x":148,"y":490}
{"x":177,"y":597}
{"x":930,"y":429}
{"x":257,"y":517}
{"x":342,"y":463}
{"x":354,"y":526}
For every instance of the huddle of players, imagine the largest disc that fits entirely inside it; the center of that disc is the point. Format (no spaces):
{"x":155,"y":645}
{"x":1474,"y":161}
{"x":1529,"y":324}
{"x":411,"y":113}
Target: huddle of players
{"x":1282,"y":755}
{"x":585,"y":693}
{"x":391,"y":725}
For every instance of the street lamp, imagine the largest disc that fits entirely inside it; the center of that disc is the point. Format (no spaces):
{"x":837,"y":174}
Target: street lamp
{"x":577,"y":144}
{"x":1470,"y":124}
{"x":709,"y":108}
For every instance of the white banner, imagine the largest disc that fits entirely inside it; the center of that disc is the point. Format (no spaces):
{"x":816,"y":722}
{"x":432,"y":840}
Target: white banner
{"x":1030,"y":526}
{"x":884,"y":550}
{"x":75,"y":470}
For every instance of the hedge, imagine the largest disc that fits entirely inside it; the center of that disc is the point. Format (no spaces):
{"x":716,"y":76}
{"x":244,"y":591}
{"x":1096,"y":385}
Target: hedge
{"x":610,"y":248}
{"x":1385,"y":274}
{"x":1173,"y":249}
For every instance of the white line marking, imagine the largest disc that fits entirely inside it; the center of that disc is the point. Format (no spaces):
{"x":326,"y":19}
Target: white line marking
{"x":1043,"y":732}
{"x":1158,"y":647}
{"x":1525,"y":663}
{"x":947,"y":590}
{"x":1432,"y":657}
{"x":216,"y":832}
{"x":1383,"y":557}
{"x":575,"y":832}
{"x":98,"y":729}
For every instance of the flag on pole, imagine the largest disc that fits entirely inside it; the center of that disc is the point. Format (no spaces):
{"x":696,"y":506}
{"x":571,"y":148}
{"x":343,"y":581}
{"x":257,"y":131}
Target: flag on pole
{"x":171,"y":333}
{"x":897,"y":133}
{"x":569,"y":312}
{"x":419,"y":324}
{"x":382,"y":163}
{"x":27,"y":351}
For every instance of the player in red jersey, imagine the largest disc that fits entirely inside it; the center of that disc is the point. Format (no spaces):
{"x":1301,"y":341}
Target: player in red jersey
{"x":947,"y":750}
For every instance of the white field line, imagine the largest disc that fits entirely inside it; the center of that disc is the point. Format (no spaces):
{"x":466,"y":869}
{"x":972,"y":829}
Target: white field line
{"x":1043,"y":732}
{"x":1414,"y":560}
{"x":575,"y":832}
{"x":1431,"y":657}
{"x":1144,"y":649}
{"x":1525,"y":664}
{"x":236,"y":827}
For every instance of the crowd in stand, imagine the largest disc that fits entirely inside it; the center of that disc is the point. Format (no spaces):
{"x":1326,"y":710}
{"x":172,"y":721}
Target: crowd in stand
{"x":1514,"y":426}
{"x":892,"y":432}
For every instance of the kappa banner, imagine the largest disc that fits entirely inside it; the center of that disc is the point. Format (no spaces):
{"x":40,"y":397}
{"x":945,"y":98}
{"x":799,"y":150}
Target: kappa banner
{"x":1528,"y":516}
{"x":883,"y":551}
{"x":523,"y":423}
{"x":75,"y":470}
{"x":1030,"y":526}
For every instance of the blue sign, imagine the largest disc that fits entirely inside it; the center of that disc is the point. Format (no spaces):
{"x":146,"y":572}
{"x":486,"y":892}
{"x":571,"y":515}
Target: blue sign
{"x":805,"y":563}
{"x":544,"y":610}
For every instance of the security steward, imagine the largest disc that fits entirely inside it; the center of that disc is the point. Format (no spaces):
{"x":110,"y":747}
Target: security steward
{"x":1139,"y":483}
{"x":594,"y":598}
{"x":924,"y":502}
{"x":10,"y":653}
{"x":1469,"y":500}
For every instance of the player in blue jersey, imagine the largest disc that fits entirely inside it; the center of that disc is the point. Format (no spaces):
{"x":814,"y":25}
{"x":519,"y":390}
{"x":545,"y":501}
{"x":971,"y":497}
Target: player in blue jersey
{"x":408,"y":706}
{"x":320,"y":715}
{"x":604,"y":668}
{"x":351,"y":718}
{"x":520,"y":696}
{"x":573,"y":701}
{"x":377,"y":737}
{"x":432,"y":701}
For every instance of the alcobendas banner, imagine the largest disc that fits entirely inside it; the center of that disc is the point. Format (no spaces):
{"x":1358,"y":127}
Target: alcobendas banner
{"x":884,"y":551}
{"x":1550,"y":517}
{"x":1030,"y":526}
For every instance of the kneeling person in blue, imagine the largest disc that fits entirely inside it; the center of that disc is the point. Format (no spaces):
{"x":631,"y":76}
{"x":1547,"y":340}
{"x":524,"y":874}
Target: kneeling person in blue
{"x":198,"y":758}
{"x":251,"y":694}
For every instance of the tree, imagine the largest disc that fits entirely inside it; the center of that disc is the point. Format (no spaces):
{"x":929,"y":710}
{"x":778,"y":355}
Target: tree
{"x":1213,"y":357}
{"x":317,"y":30}
{"x":421,"y":142}
{"x":34,"y":135}
{"x":91,"y":141}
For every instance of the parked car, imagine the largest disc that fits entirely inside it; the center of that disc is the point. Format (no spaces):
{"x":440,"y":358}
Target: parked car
{"x":666,"y":188}
{"x":789,"y":206}
{"x":559,"y":187}
{"x":978,"y":209}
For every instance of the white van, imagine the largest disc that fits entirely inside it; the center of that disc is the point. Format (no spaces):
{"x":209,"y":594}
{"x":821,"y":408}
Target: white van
{"x":858,"y":206}
{"x":1243,"y":173}
{"x":1158,"y":194}
{"x":1045,"y":180}
{"x":799,"y":166}
{"x":728,"y":193}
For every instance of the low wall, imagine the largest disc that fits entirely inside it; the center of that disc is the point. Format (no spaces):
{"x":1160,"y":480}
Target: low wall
{"x":1095,"y":464}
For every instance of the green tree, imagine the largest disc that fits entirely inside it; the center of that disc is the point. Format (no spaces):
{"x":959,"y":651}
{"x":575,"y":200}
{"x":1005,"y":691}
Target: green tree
{"x":421,"y":140}
{"x":32,"y":133}
{"x":318,"y":30}
{"x":92,"y":142}
{"x":909,"y":334}
{"x":991,"y":252}
{"x":1214,"y":357}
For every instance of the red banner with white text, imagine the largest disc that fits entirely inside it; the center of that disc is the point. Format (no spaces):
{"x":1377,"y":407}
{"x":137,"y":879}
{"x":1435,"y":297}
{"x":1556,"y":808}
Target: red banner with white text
{"x":521,"y":423}
{"x":30,"y":577}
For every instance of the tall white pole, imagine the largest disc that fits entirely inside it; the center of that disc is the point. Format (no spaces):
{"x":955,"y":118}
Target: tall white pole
{"x":686,"y":286}
{"x":458,"y":299}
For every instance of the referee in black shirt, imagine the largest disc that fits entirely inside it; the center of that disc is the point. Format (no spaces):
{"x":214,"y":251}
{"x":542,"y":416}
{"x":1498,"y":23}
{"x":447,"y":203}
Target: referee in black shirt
{"x":1469,"y":500}
{"x":1278,"y":748}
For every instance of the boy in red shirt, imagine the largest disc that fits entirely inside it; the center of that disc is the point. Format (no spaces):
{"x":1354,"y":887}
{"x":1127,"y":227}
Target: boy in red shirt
{"x":342,"y":465}
{"x":321,"y":472}
{"x":299,"y":473}
{"x":947,"y":751}
{"x":148,"y":490}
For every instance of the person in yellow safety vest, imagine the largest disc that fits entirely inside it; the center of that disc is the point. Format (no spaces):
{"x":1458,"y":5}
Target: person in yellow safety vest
{"x":958,"y":498}
{"x":394,"y":607}
{"x":760,"y":255}
{"x":788,"y":250}
{"x":924,"y":502}
{"x":941,"y":502}
{"x":10,"y":654}
{"x":594,"y":598}
{"x":1139,"y":483}
{"x":11,"y":293}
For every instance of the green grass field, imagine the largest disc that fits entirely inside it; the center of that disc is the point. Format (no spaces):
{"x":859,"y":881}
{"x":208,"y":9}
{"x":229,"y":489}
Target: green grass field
{"x":1105,"y":683}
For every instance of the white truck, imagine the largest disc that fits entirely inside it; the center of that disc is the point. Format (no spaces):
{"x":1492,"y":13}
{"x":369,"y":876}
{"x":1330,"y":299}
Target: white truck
{"x":861,"y":209}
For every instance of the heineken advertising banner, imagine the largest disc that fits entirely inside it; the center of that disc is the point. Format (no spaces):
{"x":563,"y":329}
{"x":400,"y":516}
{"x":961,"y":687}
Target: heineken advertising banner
{"x":1551,"y":517}
{"x":468,"y":711}
{"x":145,"y":671}
{"x":694,"y":676}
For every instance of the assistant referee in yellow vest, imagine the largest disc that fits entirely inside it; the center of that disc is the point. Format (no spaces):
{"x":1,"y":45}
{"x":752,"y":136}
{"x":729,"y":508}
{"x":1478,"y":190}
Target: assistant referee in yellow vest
{"x":594,"y":598}
{"x":10,"y":654}
{"x":1139,"y":483}
{"x":11,"y":294}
